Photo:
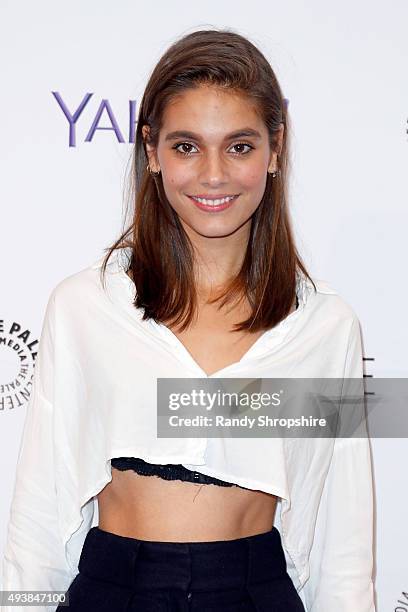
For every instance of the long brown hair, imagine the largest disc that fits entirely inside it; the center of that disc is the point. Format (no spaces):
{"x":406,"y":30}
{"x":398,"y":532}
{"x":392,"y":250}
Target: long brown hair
{"x":161,"y":261}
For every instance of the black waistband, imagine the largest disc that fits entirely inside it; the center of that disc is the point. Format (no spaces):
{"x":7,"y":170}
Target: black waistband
{"x":144,"y":564}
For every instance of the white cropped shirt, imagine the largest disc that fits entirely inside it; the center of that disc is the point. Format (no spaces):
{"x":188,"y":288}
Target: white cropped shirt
{"x":94,"y":398}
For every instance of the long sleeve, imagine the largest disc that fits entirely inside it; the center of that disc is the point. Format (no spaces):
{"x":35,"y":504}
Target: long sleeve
{"x":341,"y":559}
{"x":34,"y":554}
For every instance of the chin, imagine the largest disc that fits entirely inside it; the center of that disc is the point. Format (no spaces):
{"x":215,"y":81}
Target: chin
{"x":216,"y":232}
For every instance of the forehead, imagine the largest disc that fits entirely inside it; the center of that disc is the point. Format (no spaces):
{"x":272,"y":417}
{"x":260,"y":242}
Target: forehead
{"x":210,"y":109}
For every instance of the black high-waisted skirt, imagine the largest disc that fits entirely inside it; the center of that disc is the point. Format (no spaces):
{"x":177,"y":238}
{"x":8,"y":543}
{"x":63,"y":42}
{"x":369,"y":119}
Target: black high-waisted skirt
{"x":121,"y":574}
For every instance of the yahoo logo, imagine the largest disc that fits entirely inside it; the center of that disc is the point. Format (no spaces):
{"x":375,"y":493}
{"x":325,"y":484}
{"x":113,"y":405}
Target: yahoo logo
{"x":73,"y":116}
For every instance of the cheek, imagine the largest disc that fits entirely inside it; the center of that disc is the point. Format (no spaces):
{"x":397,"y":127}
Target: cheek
{"x":175,"y":182}
{"x":176,"y":175}
{"x":252,"y":179}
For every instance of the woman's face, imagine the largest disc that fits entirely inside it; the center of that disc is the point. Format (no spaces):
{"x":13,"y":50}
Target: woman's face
{"x":213,"y":146}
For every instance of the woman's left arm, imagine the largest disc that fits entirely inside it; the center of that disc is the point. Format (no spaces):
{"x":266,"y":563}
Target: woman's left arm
{"x":341,"y":560}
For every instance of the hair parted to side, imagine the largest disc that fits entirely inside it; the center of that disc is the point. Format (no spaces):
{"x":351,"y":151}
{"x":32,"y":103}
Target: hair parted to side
{"x":161,"y":259}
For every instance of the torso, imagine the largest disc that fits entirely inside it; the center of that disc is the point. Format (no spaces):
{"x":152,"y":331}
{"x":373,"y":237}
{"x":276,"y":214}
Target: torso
{"x":151,"y":508}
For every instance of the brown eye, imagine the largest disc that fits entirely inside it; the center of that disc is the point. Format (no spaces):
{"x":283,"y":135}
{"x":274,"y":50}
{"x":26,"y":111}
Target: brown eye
{"x":189,"y":144}
{"x":243,"y":144}
{"x":183,"y":144}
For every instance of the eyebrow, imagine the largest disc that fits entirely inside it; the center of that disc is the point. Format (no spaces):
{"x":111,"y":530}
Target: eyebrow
{"x":244,"y":132}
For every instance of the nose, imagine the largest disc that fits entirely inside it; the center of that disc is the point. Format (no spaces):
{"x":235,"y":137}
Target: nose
{"x":213,"y":171}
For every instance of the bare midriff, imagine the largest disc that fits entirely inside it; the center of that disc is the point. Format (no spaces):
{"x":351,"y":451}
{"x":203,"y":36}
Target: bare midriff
{"x":152,"y":508}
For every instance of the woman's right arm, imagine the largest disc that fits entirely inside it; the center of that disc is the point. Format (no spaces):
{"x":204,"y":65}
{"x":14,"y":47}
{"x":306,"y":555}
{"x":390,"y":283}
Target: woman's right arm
{"x":34,"y":557}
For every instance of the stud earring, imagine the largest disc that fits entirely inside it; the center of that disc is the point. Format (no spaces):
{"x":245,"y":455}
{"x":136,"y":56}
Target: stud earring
{"x":153,"y":174}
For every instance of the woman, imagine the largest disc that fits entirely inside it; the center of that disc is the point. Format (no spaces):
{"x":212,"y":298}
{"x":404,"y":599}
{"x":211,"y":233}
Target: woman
{"x":205,"y":282}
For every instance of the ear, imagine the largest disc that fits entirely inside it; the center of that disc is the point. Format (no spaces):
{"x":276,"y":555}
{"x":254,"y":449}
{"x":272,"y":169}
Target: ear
{"x":273,"y":163}
{"x":280,"y":138}
{"x":150,"y":150}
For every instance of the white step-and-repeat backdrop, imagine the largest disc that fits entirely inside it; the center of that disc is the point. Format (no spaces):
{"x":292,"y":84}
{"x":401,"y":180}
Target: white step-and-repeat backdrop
{"x":343,"y":69}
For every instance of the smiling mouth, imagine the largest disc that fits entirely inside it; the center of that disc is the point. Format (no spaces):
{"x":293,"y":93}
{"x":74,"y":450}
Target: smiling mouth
{"x":214,"y":201}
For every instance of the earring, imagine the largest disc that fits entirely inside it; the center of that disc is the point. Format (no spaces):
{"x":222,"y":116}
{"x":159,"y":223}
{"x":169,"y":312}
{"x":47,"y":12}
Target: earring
{"x":274,"y":173}
{"x":153,"y":174}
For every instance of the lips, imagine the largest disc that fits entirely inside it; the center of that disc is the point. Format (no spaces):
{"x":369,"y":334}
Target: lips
{"x":213,"y":200}
{"x":207,"y":196}
{"x":210,"y":205}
